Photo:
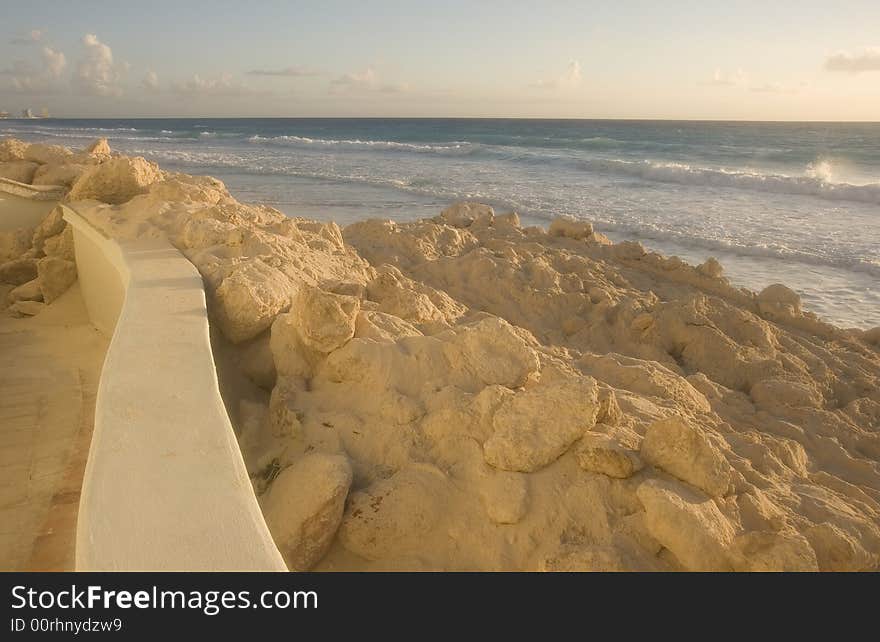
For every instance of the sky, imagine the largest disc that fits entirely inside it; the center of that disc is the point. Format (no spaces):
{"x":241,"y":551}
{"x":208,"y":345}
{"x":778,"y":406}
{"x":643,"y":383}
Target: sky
{"x":768,"y":60}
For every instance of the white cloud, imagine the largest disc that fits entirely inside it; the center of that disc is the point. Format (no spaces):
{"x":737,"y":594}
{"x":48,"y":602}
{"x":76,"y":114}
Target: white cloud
{"x":150,"y":81}
{"x":31,"y":37}
{"x":773,"y":88}
{"x":293,"y":72}
{"x":25,"y":77}
{"x":569,"y":79}
{"x":55,"y":61}
{"x":96,"y":73}
{"x":723,"y":79}
{"x":365,"y":81}
{"x":223,"y":85}
{"x":866,"y":60}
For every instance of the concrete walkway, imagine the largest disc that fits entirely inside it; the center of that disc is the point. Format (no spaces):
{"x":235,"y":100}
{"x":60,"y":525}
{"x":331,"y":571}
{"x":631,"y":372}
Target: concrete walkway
{"x":49,"y":370}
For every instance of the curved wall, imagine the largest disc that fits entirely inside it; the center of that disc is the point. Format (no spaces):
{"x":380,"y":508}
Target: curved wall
{"x":33,"y":192}
{"x":165,"y":486}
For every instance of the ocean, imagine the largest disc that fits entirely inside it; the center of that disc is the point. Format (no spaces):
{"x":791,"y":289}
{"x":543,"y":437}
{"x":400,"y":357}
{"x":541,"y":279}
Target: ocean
{"x":796,"y":203}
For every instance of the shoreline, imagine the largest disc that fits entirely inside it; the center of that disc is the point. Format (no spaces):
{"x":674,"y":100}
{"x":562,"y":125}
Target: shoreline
{"x":465,"y":392}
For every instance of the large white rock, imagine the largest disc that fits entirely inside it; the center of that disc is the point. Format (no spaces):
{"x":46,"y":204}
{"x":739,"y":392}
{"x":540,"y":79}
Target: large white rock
{"x":683,"y":450}
{"x":29,"y":291}
{"x":571,"y":228}
{"x":18,"y":271}
{"x":116,"y":180}
{"x":18,"y":170}
{"x":52,"y":225}
{"x":465,"y":214}
{"x":14,"y":243}
{"x":44,"y":154}
{"x":534,"y":427}
{"x":56,"y":276}
{"x":599,"y":453}
{"x":304,"y":507}
{"x":65,"y":174}
{"x":393,"y":516}
{"x":249,"y":298}
{"x":688,"y":523}
{"x":12,"y":149}
{"x":323,"y":320}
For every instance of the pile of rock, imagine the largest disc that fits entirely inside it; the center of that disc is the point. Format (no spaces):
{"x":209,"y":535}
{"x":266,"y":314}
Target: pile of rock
{"x":464,"y":393}
{"x":36,"y":266}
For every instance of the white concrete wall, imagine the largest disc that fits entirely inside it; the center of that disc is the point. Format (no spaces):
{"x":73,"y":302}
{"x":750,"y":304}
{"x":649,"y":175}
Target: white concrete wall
{"x":165,"y":486}
{"x":33,"y":192}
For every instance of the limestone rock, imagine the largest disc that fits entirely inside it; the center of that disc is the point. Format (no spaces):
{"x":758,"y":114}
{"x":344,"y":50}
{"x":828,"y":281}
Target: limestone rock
{"x":598,"y":453}
{"x":392,"y":516}
{"x":56,"y":275}
{"x":494,"y":352}
{"x":465,"y":214}
{"x":257,"y":362}
{"x":711,"y":268}
{"x":283,"y":418}
{"x":683,"y":450}
{"x":777,"y":301}
{"x":65,"y":174}
{"x":30,"y":291}
{"x":20,"y":170}
{"x":505,"y":497}
{"x":249,"y":298}
{"x":772,"y":392}
{"x":52,"y":225}
{"x":324,"y":321}
{"x":304,"y":507}
{"x":116,"y":180}
{"x":47,"y":154}
{"x":14,"y":243}
{"x":26,"y":308}
{"x":837,"y":550}
{"x":688,"y":523}
{"x":18,"y":271}
{"x":774,"y":552}
{"x":12,"y":149}
{"x":61,"y":245}
{"x":571,"y":228}
{"x":534,"y":427}
{"x":573,"y":558}
{"x":98,"y":148}
{"x":288,"y":353}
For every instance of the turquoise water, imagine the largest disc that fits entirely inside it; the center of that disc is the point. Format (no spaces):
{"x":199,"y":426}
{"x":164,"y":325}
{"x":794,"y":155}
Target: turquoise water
{"x":793,"y":203}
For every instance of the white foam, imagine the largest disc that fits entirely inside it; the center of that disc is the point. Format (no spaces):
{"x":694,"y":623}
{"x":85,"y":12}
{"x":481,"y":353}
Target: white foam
{"x":815,"y":183}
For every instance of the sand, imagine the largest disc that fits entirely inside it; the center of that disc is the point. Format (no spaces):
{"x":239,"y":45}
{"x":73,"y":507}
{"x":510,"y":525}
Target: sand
{"x":464,"y":393}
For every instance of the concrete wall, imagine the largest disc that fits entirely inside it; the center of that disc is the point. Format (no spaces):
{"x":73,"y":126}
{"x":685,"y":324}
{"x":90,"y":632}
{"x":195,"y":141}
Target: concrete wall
{"x":33,"y":192}
{"x":165,"y":486}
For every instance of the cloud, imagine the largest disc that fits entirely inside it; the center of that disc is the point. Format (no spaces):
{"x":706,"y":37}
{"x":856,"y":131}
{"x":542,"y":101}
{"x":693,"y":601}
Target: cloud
{"x":55,"y":61}
{"x":866,"y":60}
{"x":722,"y":79}
{"x":569,"y":79}
{"x":292,"y":72}
{"x":223,"y":85}
{"x":150,"y":81}
{"x":365,"y":81}
{"x":25,"y":77}
{"x":96,"y":73}
{"x":773,"y":88}
{"x":31,"y":37}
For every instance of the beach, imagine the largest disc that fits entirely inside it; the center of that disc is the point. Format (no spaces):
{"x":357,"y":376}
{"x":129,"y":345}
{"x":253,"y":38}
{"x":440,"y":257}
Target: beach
{"x":460,"y":386}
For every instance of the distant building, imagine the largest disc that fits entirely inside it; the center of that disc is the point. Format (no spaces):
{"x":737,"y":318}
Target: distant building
{"x":4,"y":114}
{"x":27,"y":113}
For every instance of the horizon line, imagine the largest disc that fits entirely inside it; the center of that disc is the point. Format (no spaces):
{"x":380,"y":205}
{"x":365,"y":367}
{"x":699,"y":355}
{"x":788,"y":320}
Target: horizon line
{"x":572,"y":118}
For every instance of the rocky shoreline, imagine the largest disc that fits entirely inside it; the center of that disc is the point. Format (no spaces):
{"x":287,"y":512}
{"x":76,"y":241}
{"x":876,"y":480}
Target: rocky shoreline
{"x":465,"y":393}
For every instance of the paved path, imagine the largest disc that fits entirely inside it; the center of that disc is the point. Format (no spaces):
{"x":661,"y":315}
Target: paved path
{"x":49,"y":370}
